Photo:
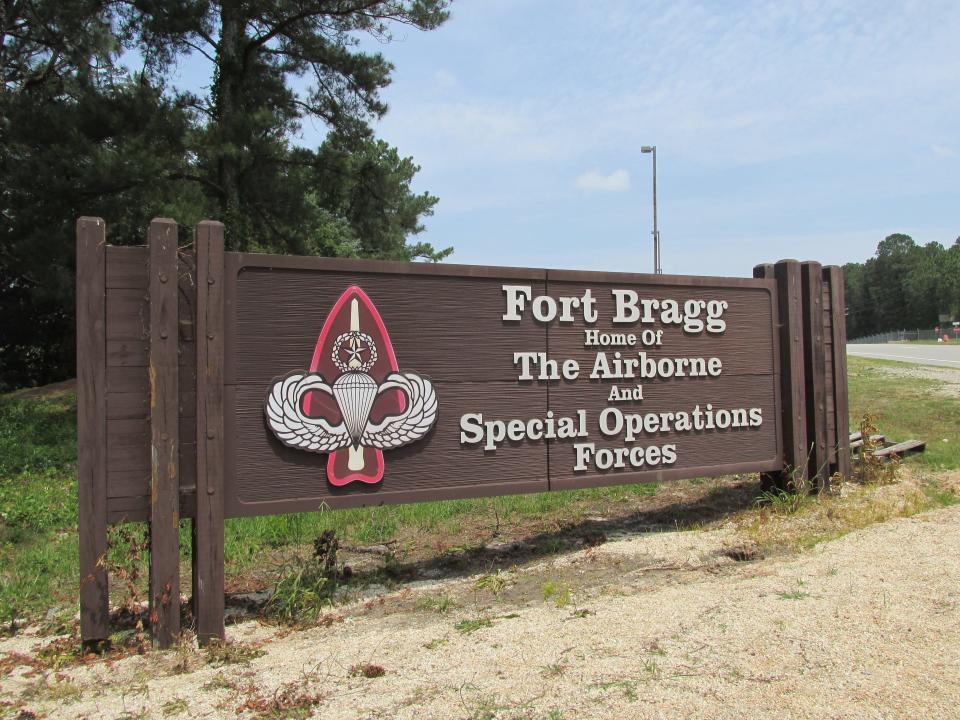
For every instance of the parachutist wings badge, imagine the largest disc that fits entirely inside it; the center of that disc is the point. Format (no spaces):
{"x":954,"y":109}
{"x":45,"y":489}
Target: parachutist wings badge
{"x":354,"y":402}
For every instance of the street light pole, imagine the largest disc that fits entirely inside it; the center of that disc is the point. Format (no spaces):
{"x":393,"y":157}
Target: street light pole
{"x":657,"y":269}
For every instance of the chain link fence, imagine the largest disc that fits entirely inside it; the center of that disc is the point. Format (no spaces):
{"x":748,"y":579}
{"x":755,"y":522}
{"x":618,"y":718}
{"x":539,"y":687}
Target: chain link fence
{"x":906,"y":336}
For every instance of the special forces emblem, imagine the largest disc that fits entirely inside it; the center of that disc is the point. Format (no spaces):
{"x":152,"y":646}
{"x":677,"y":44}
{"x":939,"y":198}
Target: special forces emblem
{"x":354,"y":402}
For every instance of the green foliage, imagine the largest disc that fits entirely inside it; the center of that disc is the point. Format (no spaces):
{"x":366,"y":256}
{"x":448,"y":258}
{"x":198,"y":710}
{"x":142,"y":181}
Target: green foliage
{"x":37,"y":435}
{"x":37,"y":461}
{"x":305,"y":586}
{"x":82,"y":134}
{"x":38,"y":501}
{"x":781,"y":502}
{"x":301,"y":593}
{"x":904,"y":286}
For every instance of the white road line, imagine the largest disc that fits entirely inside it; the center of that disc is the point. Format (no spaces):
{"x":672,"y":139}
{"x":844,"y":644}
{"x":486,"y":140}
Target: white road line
{"x":923,"y":360}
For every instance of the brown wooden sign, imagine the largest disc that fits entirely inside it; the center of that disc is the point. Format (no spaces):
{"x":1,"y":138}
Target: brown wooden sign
{"x":216,"y":384}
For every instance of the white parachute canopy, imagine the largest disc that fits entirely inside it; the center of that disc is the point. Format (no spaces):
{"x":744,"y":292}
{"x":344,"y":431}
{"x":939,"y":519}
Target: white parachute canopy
{"x":355,"y":393}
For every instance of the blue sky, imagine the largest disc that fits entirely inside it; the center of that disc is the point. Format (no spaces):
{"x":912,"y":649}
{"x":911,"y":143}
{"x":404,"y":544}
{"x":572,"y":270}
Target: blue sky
{"x":783,"y":129}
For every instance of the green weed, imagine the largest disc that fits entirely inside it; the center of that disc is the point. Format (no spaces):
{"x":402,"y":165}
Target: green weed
{"x":559,"y":594}
{"x":553,"y":670}
{"x":781,"y":502}
{"x":796,"y":594}
{"x":59,"y":691}
{"x":465,"y":627}
{"x":436,"y":603}
{"x":305,"y":585}
{"x":627,"y":687}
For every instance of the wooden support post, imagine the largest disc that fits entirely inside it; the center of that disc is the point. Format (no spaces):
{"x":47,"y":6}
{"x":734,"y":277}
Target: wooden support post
{"x":164,"y":435}
{"x":769,"y":481}
{"x":92,"y":430}
{"x":833,"y":276}
{"x":815,"y":370}
{"x":792,"y":394}
{"x":208,"y":582}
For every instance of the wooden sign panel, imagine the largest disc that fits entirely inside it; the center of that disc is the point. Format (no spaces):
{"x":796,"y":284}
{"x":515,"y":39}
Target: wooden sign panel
{"x":214,"y":384}
{"x":542,"y":379}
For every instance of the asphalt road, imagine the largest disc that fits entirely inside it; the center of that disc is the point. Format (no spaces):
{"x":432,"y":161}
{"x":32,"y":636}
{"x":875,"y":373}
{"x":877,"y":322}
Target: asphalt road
{"x":946,"y":355}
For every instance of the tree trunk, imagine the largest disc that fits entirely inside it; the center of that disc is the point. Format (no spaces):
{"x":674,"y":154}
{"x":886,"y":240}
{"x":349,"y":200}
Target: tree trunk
{"x":229,"y":79}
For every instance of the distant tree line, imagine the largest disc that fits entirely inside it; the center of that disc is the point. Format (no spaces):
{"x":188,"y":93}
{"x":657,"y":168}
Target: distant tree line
{"x":94,"y":121}
{"x":904,"y":286}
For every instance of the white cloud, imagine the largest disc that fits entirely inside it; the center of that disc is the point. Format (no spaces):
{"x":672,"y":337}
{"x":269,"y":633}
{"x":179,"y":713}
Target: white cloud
{"x":617,"y":181}
{"x":943,"y":151}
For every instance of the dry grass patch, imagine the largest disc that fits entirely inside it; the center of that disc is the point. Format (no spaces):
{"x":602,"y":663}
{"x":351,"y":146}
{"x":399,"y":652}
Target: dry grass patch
{"x":220,"y":653}
{"x":367,"y":670}
{"x":798,"y":522}
{"x":56,"y":690}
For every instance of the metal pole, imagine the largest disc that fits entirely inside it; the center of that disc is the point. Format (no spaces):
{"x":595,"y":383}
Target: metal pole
{"x":656,"y":234}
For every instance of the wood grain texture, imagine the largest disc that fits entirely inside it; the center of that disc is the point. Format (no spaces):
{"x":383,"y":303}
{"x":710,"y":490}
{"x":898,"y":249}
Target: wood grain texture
{"x":445,"y":327}
{"x":828,"y":360}
{"x":833,"y":275}
{"x":127,"y":268}
{"x":770,"y":480}
{"x":792,"y":388}
{"x":208,"y":577}
{"x":137,"y":509}
{"x":128,"y":377}
{"x":815,"y":374}
{"x":164,"y":435}
{"x":92,"y":459}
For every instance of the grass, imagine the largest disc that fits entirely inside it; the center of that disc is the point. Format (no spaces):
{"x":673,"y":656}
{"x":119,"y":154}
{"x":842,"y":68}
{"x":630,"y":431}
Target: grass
{"x":436,"y":603}
{"x":906,"y":409}
{"x":465,"y":627}
{"x":559,"y":594}
{"x":627,"y":687}
{"x":38,"y":503}
{"x":796,"y":594}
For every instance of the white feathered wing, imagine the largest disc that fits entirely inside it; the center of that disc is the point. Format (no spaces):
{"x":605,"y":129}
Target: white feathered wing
{"x":295,"y":429}
{"x":413,"y":423}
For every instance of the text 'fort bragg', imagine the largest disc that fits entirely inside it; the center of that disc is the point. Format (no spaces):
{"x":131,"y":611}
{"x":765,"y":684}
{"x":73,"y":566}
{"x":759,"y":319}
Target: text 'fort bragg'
{"x":616,"y":359}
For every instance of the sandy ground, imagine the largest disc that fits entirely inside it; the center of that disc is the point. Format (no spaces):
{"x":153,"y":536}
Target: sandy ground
{"x":664,"y":625}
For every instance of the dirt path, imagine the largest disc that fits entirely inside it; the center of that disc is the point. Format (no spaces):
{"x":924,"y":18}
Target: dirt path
{"x":654,"y":626}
